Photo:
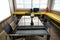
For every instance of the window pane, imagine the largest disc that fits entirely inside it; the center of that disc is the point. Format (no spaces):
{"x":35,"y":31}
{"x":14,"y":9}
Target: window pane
{"x":4,"y":9}
{"x":35,"y":4}
{"x":27,"y":4}
{"x":56,"y":5}
{"x":19,"y":4}
{"x":43,"y":4}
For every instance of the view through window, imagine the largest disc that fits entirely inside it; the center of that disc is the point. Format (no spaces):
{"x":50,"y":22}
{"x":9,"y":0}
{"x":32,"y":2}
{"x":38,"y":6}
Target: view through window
{"x":28,"y":4}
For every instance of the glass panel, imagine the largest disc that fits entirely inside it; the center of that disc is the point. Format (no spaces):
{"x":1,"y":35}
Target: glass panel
{"x":19,"y":3}
{"x":27,"y":4}
{"x":43,"y":4}
{"x":56,"y":5}
{"x":35,"y":4}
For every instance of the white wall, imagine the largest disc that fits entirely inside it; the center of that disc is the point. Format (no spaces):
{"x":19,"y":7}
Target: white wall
{"x":4,"y":10}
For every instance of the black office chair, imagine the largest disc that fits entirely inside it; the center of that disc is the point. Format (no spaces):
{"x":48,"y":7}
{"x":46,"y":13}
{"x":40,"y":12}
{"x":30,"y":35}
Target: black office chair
{"x":15,"y":19}
{"x":30,"y":10}
{"x":46,"y":19}
{"x":35,"y":9}
{"x":8,"y":29}
{"x":46,"y":22}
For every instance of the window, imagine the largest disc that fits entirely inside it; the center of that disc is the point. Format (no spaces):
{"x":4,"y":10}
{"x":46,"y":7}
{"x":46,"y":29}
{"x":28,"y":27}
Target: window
{"x":43,"y":4}
{"x":4,"y":9}
{"x":19,"y":4}
{"x":27,"y":4}
{"x":23,"y":4}
{"x":35,"y":3}
{"x":56,"y":5}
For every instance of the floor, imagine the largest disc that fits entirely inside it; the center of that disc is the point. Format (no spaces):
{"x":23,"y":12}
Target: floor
{"x":54,"y":34}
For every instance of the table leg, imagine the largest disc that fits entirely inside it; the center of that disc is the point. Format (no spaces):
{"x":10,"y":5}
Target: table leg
{"x":48,"y":37}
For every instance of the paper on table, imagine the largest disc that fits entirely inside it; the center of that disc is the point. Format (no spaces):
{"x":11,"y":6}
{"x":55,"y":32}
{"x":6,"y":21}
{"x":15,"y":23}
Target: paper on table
{"x":27,"y":21}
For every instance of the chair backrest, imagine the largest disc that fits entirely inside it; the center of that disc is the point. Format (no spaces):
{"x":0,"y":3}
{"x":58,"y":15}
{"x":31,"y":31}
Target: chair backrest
{"x":30,"y":10}
{"x":15,"y":19}
{"x":46,"y":18}
{"x":35,"y":9}
{"x":47,"y":24}
{"x":13,"y":25}
{"x":8,"y":28}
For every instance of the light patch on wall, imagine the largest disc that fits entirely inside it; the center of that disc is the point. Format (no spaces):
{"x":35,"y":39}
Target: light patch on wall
{"x":4,"y":9}
{"x":11,"y":5}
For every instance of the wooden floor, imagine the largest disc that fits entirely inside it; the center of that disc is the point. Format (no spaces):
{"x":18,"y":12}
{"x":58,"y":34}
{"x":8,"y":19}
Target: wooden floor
{"x":54,"y":33}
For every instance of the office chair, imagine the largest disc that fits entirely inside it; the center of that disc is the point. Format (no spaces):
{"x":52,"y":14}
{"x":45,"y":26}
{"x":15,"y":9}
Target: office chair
{"x":8,"y":29}
{"x":15,"y":19}
{"x":35,"y":9}
{"x":30,"y":10}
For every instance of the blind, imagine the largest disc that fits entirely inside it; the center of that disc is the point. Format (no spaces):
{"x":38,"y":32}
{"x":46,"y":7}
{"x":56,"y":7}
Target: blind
{"x":4,"y":9}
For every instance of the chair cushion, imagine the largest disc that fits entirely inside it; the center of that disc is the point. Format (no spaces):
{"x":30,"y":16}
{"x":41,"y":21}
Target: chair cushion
{"x":8,"y":28}
{"x":13,"y":25}
{"x":15,"y":19}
